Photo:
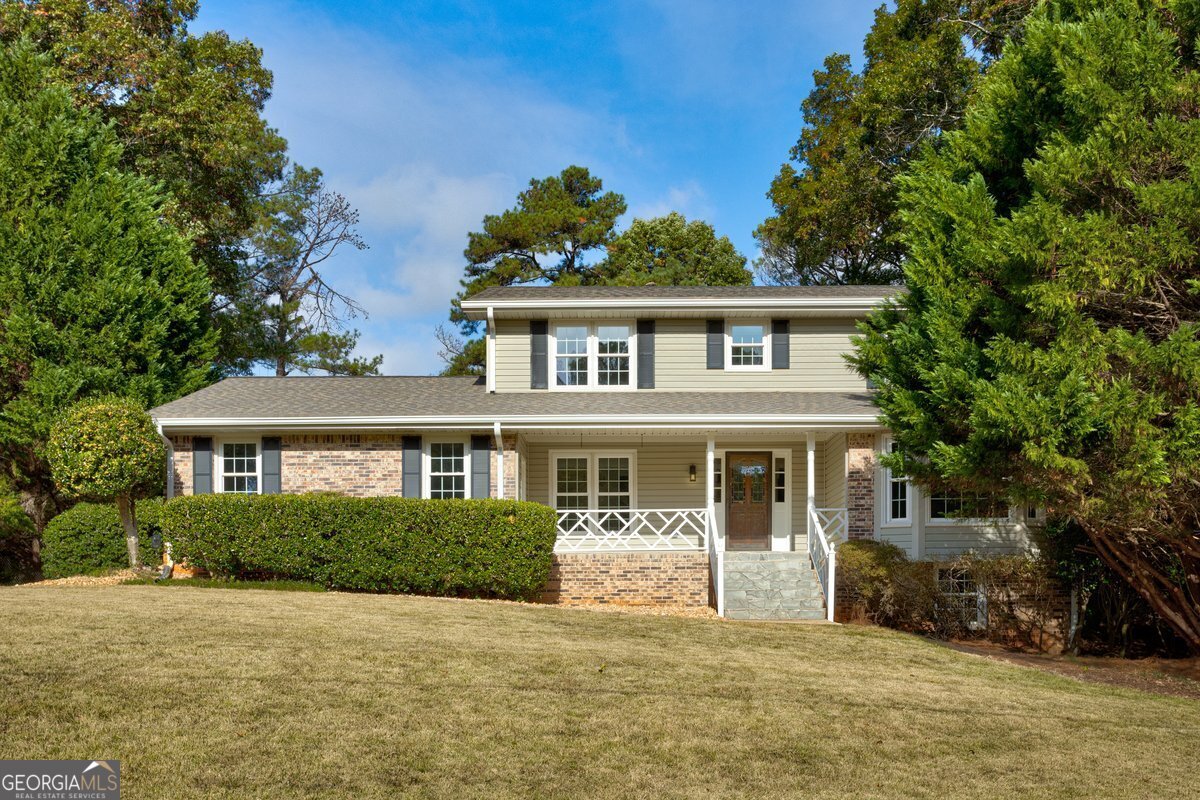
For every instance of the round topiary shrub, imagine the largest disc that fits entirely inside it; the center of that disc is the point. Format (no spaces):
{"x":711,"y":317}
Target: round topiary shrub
{"x":108,"y":451}
{"x":88,"y":539}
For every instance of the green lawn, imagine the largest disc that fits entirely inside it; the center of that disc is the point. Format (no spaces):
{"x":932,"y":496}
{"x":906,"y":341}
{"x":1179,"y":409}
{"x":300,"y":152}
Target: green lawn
{"x":214,"y":693}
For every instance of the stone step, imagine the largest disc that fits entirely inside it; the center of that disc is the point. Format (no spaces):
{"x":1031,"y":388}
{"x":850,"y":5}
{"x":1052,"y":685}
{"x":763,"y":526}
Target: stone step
{"x":768,"y":614}
{"x":771,"y":586}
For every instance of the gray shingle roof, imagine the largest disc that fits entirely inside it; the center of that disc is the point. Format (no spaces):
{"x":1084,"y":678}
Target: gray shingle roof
{"x":424,"y":397}
{"x":680,"y":292}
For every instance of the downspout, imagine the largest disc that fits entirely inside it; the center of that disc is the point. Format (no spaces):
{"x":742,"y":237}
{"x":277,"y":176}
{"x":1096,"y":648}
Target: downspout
{"x":490,"y":367}
{"x":499,"y":448}
{"x":168,"y":563}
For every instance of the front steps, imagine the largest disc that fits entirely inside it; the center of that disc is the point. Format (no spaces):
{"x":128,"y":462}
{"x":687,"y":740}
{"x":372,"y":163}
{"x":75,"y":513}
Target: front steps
{"x":771,"y":586}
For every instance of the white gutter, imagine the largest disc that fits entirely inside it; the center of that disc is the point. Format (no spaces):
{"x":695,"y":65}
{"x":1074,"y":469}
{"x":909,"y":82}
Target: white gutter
{"x":525,"y":422}
{"x":860,"y":305}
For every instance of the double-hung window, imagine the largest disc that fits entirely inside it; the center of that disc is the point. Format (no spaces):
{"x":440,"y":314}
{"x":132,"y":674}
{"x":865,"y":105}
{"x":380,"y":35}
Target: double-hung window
{"x":447,"y":470}
{"x":747,"y":345}
{"x":239,"y":468}
{"x":588,"y":355}
{"x":600,"y":481}
{"x":897,"y":512}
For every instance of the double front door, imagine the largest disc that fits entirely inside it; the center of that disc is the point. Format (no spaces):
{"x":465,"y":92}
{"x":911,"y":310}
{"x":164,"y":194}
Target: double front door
{"x":748,"y":501}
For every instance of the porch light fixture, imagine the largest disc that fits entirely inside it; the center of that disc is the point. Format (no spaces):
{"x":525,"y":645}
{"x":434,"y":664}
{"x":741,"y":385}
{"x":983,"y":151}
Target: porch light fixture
{"x":692,"y":473}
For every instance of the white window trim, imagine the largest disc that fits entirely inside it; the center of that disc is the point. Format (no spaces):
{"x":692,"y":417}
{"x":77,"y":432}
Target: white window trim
{"x":888,"y":520}
{"x":219,"y":467}
{"x":766,"y":365}
{"x":427,"y":463}
{"x":593,"y":356}
{"x":593,"y":476}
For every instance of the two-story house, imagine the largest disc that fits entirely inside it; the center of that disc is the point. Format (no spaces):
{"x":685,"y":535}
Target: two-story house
{"x":700,"y":444}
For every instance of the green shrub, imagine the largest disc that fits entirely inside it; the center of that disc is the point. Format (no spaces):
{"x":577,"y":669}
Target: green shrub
{"x":457,"y":548}
{"x":88,"y":538}
{"x":17,"y":535}
{"x":1021,"y":597}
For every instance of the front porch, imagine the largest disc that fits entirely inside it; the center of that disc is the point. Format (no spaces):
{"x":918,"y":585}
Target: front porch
{"x":721,"y":497}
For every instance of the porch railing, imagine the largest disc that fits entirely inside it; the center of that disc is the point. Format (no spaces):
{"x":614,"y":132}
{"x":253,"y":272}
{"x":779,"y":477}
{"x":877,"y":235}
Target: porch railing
{"x":828,"y":530}
{"x":632,"y":529}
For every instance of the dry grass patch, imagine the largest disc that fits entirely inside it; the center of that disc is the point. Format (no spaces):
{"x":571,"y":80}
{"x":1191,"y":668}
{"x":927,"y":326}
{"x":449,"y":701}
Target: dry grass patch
{"x":209,"y":693}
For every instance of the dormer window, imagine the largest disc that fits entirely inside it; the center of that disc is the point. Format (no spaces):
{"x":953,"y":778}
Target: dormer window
{"x":593,"y":355}
{"x":747,"y":345}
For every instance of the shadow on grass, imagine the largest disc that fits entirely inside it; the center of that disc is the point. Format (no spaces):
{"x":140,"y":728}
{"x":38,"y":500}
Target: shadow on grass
{"x":218,"y":583}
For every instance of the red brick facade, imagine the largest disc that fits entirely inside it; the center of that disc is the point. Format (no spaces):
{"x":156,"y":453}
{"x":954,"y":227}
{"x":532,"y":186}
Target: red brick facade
{"x":634,"y":579}
{"x":860,"y":485}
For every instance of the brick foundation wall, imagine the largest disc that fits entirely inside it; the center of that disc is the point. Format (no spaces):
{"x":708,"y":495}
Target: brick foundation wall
{"x":358,"y":465}
{"x":860,"y":485}
{"x":634,"y":579}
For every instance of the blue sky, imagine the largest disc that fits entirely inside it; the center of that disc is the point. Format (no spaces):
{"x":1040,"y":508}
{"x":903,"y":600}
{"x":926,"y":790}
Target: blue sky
{"x":428,"y":115}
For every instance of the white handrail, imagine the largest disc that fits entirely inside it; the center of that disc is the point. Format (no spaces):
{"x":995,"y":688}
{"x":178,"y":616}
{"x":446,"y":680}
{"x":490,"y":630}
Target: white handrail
{"x":822,"y":550}
{"x":716,"y":560}
{"x":589,"y":530}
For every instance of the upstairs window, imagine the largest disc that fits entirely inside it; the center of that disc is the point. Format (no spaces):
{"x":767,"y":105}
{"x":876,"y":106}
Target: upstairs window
{"x":747,"y":345}
{"x":593,"y":356}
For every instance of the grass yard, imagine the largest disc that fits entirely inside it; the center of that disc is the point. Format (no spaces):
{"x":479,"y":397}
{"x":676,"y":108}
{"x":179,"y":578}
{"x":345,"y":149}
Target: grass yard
{"x":211,"y":693}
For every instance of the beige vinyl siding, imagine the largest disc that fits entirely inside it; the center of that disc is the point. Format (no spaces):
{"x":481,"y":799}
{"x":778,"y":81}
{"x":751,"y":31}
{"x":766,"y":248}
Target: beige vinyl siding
{"x":817,"y":347}
{"x":835,"y":472}
{"x":662,"y":469}
{"x":800,"y":490}
{"x":512,"y":355}
{"x":943,"y":541}
{"x":901,"y":537}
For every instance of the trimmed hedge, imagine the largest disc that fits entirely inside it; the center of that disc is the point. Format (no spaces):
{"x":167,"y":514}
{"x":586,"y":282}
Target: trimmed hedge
{"x":453,"y":548}
{"x":88,"y":538}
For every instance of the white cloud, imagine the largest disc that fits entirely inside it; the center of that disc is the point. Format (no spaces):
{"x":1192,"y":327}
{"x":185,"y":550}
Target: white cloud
{"x":688,"y":199}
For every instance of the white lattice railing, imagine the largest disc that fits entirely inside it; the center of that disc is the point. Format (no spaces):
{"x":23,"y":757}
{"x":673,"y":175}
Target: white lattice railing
{"x":828,"y":530}
{"x":635,"y":529}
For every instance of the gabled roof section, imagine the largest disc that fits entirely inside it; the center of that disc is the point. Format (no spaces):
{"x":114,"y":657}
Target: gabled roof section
{"x":515,"y":301}
{"x":427,"y":402}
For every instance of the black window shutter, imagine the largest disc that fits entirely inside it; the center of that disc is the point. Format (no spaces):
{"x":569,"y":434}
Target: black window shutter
{"x":481,"y":466}
{"x":781,"y":345}
{"x":272,"y":468}
{"x":645,"y":353}
{"x":410,"y":466}
{"x":202,"y":465}
{"x":716,"y":344}
{"x":538,"y":343}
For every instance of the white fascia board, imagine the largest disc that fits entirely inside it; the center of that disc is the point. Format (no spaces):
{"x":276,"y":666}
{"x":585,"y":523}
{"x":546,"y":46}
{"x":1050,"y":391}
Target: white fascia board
{"x":478,"y":309}
{"x":573,"y":422}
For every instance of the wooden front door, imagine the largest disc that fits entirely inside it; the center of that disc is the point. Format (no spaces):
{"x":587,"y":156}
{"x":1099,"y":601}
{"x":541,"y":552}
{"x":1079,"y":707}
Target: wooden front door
{"x":748,"y":504}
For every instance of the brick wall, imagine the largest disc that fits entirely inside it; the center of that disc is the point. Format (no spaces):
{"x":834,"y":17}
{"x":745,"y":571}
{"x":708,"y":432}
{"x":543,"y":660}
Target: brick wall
{"x":359,"y":465}
{"x":628,"y":579}
{"x":860,"y":485}
{"x":511,"y":462}
{"x":181,"y":474}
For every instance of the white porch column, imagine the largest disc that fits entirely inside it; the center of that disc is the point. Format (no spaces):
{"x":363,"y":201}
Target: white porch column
{"x":710,"y":460}
{"x":811,"y":474}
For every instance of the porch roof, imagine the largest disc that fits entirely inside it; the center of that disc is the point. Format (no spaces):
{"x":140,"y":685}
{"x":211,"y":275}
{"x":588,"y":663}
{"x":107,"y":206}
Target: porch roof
{"x":414,"y":402}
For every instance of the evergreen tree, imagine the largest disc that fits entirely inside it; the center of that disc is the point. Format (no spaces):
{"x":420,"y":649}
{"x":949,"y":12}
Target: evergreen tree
{"x":834,"y":220}
{"x":100,"y":295}
{"x":670,"y":251}
{"x":1048,"y":348}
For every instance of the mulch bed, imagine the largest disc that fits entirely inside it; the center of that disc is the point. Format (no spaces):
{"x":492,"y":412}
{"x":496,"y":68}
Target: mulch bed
{"x":1178,"y":677}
